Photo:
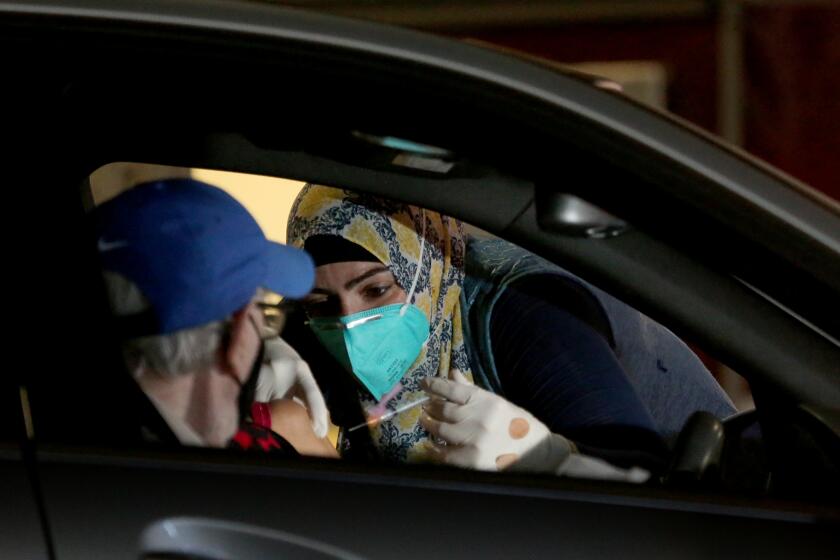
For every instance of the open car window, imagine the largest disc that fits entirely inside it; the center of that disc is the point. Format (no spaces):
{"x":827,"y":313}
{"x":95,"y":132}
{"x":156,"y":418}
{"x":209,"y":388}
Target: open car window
{"x":548,"y":351}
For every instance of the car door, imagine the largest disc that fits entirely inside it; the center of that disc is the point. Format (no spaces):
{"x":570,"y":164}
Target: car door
{"x":115,"y":90}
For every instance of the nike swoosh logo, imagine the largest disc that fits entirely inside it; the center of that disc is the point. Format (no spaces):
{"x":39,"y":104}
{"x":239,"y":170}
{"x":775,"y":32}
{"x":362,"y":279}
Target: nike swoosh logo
{"x":105,"y":246}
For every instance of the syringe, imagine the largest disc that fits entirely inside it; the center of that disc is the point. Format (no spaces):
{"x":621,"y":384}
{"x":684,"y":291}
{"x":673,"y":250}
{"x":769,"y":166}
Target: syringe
{"x":373,"y":421}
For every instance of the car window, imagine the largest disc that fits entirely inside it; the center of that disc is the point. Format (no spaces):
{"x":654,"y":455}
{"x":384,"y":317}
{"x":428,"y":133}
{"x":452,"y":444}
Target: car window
{"x":485,"y":356}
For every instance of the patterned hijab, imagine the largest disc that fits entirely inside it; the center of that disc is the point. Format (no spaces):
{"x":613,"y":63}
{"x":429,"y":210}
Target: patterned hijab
{"x":391,"y":232}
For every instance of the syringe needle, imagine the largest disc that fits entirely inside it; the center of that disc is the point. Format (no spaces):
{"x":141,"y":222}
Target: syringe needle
{"x":377,"y":419}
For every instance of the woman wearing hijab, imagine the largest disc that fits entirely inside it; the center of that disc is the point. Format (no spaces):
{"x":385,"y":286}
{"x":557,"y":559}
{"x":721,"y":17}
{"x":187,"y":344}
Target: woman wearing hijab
{"x":522,"y":370}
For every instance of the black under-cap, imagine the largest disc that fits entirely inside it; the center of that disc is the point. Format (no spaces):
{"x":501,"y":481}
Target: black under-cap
{"x":328,"y":249}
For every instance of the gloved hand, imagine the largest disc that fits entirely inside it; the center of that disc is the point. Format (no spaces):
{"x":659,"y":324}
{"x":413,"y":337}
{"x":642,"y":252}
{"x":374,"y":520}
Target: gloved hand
{"x":284,"y":374}
{"x":484,"y":431}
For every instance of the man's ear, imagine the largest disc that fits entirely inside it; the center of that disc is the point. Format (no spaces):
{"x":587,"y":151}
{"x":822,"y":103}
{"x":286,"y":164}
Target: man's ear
{"x":243,"y":344}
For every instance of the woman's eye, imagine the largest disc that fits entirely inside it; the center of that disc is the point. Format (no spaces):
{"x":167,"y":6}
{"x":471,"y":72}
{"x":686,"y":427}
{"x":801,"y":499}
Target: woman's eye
{"x":376,"y":291}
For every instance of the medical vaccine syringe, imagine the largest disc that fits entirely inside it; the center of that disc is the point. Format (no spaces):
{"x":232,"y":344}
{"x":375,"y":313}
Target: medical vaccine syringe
{"x":374,"y":420}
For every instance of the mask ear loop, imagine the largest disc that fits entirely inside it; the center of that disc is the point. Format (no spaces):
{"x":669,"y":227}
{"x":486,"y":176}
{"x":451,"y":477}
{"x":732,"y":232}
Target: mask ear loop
{"x":404,"y":308}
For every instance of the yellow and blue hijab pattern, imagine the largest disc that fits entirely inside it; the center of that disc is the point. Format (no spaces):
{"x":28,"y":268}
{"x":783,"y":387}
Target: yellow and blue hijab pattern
{"x":391,"y":231}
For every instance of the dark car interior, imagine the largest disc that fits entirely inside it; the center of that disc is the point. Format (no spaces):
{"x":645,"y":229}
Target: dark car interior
{"x":701,"y":258}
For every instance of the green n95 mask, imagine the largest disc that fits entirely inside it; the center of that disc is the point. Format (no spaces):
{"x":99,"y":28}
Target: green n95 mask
{"x":378,"y":345}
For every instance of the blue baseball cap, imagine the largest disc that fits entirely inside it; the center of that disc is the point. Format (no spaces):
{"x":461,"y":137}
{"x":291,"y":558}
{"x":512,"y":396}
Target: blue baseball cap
{"x":194,"y":252}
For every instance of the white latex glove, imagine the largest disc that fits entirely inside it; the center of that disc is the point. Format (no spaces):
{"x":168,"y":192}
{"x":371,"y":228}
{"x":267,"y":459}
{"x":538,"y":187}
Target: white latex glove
{"x":584,"y":466}
{"x":484,"y":431}
{"x":284,"y":374}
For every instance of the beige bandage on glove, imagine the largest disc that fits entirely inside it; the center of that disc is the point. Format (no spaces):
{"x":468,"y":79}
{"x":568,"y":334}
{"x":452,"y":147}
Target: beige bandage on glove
{"x":484,"y":431}
{"x":285,"y":374}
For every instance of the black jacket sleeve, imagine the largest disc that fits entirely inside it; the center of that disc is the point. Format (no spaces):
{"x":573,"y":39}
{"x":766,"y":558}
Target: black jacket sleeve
{"x":551,"y":347}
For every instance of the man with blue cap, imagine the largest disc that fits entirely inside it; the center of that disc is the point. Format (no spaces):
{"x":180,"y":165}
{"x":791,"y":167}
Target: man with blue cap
{"x":184,"y":265}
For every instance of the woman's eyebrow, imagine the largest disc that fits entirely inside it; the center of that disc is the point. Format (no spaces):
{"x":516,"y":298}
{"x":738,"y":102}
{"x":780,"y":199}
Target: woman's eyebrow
{"x":362,"y":277}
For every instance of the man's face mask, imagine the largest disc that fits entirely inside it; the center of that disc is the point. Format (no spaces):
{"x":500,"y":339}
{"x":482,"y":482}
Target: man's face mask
{"x":248,"y":388}
{"x":377,"y":345}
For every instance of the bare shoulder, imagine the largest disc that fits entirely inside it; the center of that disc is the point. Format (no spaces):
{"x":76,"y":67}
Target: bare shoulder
{"x":291,"y":420}
{"x":290,"y":413}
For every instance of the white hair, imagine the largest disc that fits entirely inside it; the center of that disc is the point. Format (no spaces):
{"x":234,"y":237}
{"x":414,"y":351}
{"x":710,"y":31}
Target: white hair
{"x":178,"y":353}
